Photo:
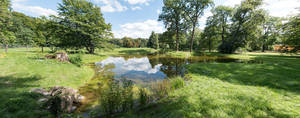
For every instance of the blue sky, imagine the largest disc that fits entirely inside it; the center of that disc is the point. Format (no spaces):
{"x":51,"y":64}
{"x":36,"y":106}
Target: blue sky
{"x":137,"y":18}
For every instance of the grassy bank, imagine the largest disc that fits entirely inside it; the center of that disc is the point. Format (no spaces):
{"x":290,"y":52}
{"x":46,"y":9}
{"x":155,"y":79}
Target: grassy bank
{"x":22,"y":69}
{"x":237,"y":90}
{"x":268,"y":89}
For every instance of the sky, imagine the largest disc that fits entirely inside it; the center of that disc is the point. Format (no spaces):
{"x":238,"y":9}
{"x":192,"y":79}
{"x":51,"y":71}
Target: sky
{"x":138,"y":18}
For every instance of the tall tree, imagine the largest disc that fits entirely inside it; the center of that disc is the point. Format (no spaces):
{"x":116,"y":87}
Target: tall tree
{"x":194,"y":9}
{"x":153,"y":41}
{"x":81,"y":24}
{"x":217,"y":25}
{"x":246,"y":19}
{"x":7,"y":37}
{"x":271,"y":32}
{"x":172,"y":15}
{"x":292,"y":31}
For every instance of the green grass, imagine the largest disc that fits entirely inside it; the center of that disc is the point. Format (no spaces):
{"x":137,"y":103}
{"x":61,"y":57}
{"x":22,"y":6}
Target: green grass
{"x":236,"y":90}
{"x":21,"y":70}
{"x":271,"y":89}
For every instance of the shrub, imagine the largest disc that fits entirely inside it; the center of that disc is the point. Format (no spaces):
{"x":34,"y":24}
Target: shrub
{"x":77,"y":60}
{"x":161,"y":88}
{"x":177,"y":83}
{"x":144,"y":97}
{"x":117,"y":97}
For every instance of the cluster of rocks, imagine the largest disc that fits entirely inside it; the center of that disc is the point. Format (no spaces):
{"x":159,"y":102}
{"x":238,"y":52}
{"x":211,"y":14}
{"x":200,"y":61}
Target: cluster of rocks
{"x":69,"y":99}
{"x":61,"y":56}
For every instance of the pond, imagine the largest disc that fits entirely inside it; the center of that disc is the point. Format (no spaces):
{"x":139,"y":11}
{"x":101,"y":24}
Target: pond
{"x":143,"y":71}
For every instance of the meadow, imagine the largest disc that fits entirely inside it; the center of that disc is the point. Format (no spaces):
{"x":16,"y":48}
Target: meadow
{"x":266,"y":89}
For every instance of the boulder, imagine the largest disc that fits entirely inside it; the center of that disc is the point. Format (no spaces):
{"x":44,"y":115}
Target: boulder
{"x":40,"y":91}
{"x":50,"y":56}
{"x":62,"y":57}
{"x":68,"y":101}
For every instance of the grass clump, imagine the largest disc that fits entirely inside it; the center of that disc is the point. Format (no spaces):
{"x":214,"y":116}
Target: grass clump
{"x":117,"y":97}
{"x":77,"y":60}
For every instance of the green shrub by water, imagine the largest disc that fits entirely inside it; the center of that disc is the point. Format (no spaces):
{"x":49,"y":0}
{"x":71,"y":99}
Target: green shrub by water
{"x":177,"y":83}
{"x":77,"y":60}
{"x":117,"y":97}
{"x":144,"y":97}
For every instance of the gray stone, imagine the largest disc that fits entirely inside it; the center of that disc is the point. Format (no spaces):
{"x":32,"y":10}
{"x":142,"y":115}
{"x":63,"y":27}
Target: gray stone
{"x":40,"y":91}
{"x":69,"y":98}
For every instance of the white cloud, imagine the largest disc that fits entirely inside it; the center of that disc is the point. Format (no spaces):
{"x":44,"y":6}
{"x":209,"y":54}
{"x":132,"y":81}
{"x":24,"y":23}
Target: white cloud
{"x":158,"y":11}
{"x":279,"y":8}
{"x":133,"y":2}
{"x":139,"y":29}
{"x":123,"y":66}
{"x":34,"y":10}
{"x":111,"y":6}
{"x":136,"y":8}
{"x":282,"y":8}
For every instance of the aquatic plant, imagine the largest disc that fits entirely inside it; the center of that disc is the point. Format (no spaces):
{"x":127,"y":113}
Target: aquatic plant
{"x":144,"y":97}
{"x":117,"y":97}
{"x":177,"y":83}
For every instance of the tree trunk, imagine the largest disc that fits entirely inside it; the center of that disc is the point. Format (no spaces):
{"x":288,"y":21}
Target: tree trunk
{"x":263,"y":48}
{"x":42,"y":49}
{"x":6,"y":48}
{"x":223,"y":33}
{"x":192,"y":38}
{"x":209,"y":45}
{"x":26,"y":47}
{"x":177,"y":37}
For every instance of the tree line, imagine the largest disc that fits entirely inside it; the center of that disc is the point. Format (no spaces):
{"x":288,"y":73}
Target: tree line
{"x":245,"y":26}
{"x":80,"y":25}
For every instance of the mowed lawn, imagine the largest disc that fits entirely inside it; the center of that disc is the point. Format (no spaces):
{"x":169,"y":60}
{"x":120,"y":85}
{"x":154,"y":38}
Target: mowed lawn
{"x":268,"y":89}
{"x":22,"y":69}
{"x":239,"y":90}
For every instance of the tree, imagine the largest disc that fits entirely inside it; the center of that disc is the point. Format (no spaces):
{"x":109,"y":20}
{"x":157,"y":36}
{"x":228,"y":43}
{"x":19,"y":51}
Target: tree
{"x":153,"y":41}
{"x":217,"y":25}
{"x":172,"y":16}
{"x":245,"y":21}
{"x":271,"y":32}
{"x":292,"y":31}
{"x":81,"y":25}
{"x":7,"y":37}
{"x":194,"y":9}
{"x":127,"y":42}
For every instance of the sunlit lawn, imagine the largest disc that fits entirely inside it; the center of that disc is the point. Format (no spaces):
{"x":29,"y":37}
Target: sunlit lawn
{"x":270,"y":89}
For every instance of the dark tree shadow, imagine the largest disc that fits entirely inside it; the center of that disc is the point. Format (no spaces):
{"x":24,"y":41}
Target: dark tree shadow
{"x":276,"y":72}
{"x":135,"y":52}
{"x":181,"y":107}
{"x":15,"y":99}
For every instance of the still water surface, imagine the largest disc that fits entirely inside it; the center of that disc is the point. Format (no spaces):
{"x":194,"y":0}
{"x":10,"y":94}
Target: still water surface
{"x":144,"y":69}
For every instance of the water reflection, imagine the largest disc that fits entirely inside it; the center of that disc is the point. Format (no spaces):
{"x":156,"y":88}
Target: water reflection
{"x":139,"y":70}
{"x":150,"y":68}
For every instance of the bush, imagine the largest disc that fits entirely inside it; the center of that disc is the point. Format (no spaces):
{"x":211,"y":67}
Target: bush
{"x":177,"y":83}
{"x":161,"y":88}
{"x":77,"y":60}
{"x":144,"y":97}
{"x":117,"y":97}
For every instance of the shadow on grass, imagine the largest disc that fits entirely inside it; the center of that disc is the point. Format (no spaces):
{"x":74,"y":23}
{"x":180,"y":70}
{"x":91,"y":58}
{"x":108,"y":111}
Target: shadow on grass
{"x":15,"y":99}
{"x":180,"y":107}
{"x":277,"y":72}
{"x":135,"y":52}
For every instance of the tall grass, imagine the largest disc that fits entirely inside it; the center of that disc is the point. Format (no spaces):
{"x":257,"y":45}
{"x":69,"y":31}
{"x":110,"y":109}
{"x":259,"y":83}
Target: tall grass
{"x":117,"y":97}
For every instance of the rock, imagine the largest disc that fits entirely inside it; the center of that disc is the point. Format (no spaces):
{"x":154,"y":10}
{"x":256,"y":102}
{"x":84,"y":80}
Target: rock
{"x":43,"y":100}
{"x":50,"y":56}
{"x":67,"y":99}
{"x":62,"y":57}
{"x":40,"y":91}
